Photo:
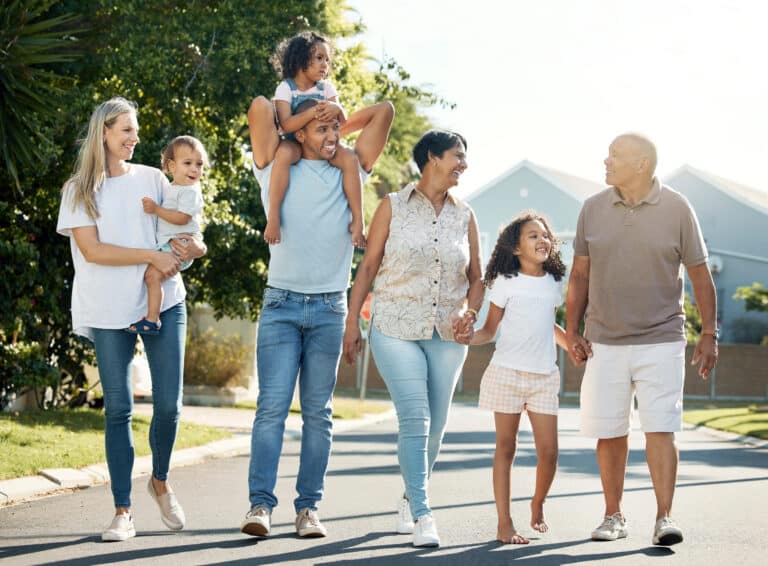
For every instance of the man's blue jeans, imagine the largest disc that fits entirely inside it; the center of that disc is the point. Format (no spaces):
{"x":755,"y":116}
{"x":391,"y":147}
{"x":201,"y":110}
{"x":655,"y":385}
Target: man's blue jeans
{"x":165,"y":354}
{"x":420,"y":376}
{"x":299,"y":336}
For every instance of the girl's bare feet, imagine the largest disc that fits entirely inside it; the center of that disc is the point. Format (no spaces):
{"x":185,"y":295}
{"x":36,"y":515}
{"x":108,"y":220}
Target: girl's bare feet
{"x":508,"y":535}
{"x":537,"y":517}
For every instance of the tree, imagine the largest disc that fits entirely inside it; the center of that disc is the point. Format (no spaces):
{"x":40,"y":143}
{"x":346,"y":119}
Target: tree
{"x":755,"y":297}
{"x":192,"y":67}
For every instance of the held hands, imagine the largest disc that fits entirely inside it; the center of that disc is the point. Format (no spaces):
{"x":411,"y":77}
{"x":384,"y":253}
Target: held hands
{"x":166,"y":263}
{"x":185,"y":247}
{"x":579,"y":348}
{"x":463,"y":326}
{"x":705,"y":355}
{"x":149,"y":205}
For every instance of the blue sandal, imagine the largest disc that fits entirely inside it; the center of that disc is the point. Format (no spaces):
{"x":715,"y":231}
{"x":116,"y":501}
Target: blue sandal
{"x":144,"y":326}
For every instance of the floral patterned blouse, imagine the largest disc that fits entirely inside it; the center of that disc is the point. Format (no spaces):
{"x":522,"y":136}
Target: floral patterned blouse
{"x":422,"y":279}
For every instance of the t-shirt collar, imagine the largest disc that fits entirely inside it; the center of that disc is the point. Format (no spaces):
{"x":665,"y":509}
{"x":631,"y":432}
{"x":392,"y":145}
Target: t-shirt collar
{"x":410,"y":189}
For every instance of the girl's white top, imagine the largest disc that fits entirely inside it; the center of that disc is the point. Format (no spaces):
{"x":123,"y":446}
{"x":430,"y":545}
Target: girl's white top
{"x":527,"y":335}
{"x":108,"y":296}
{"x":187,"y":199}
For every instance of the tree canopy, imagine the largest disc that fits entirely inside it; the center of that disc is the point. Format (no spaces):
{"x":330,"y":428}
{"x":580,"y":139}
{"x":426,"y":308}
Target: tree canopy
{"x":193,"y":68}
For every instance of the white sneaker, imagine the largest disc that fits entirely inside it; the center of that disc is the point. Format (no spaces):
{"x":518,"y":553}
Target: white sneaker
{"x":613,"y":527}
{"x":666,"y":532}
{"x":404,"y":524}
{"x":425,"y":532}
{"x":308,"y":524}
{"x":121,"y":528}
{"x":256,"y":522}
{"x":170,"y":510}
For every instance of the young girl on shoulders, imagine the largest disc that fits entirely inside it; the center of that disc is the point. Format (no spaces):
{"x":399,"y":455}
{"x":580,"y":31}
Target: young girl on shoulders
{"x":524,"y":277}
{"x":304,"y":61}
{"x":181,"y":213}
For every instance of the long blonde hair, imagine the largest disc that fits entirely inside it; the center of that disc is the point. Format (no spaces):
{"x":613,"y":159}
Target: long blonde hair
{"x":91,"y":165}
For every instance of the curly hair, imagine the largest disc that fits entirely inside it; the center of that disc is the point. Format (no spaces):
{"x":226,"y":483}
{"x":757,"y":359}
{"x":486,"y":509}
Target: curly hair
{"x":295,"y":53}
{"x":503,"y":259}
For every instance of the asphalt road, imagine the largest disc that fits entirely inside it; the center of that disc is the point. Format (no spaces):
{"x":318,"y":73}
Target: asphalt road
{"x":721,"y":503}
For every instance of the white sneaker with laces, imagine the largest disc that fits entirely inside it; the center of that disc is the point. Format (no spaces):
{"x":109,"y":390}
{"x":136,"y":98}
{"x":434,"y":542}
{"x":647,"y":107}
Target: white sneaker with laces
{"x":121,"y":528}
{"x":425,"y":532}
{"x":308,"y":524}
{"x":666,"y":532}
{"x":613,"y":527}
{"x":256,"y":522}
{"x":404,"y":524}
{"x":170,"y":510}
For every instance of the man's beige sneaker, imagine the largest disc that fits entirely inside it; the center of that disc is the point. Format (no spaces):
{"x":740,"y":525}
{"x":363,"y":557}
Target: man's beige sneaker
{"x":613,"y":527}
{"x":256,"y":522}
{"x":121,"y":528}
{"x":308,"y":524}
{"x":666,"y":532}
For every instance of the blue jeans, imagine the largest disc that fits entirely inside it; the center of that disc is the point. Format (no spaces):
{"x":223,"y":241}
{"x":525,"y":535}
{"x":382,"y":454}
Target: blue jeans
{"x":165,"y":354}
{"x":299,"y":336}
{"x":420,"y":376}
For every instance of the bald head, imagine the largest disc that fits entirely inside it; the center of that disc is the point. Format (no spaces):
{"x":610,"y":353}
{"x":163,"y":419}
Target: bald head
{"x":640,"y":147}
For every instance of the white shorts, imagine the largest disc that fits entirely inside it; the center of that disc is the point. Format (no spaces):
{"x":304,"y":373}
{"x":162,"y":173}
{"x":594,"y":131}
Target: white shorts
{"x":507,"y":390}
{"x":614,"y":374}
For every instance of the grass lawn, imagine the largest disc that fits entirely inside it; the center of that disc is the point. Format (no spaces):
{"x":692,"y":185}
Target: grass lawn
{"x":343,"y":407}
{"x":750,"y":421}
{"x":34,"y":440}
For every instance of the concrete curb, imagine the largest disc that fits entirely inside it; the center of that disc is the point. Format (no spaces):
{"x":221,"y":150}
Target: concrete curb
{"x":62,"y":480}
{"x":725,"y":435}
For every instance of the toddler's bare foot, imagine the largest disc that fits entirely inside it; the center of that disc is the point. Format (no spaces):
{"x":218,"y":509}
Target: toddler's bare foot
{"x":537,"y":517}
{"x":508,"y":535}
{"x":272,"y":232}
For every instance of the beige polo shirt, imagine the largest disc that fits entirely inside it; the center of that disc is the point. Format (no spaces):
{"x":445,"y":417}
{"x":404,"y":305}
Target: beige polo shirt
{"x":423,"y":278}
{"x":636,"y":258}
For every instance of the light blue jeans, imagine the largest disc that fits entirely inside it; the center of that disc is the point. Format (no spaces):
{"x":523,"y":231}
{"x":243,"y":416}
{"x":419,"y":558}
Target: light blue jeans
{"x":420,"y":376}
{"x":165,"y":354}
{"x":299,"y":337}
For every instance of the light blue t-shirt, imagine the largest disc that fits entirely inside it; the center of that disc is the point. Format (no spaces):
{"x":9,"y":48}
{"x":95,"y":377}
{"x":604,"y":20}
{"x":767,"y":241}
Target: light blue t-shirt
{"x":315,"y":250}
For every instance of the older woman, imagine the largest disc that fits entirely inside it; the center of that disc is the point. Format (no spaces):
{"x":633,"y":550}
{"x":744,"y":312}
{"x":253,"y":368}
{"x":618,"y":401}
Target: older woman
{"x":423,"y":251}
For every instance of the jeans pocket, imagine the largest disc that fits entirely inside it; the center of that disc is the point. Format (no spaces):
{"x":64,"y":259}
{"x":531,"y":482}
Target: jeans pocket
{"x":338,"y":304}
{"x":273,"y":298}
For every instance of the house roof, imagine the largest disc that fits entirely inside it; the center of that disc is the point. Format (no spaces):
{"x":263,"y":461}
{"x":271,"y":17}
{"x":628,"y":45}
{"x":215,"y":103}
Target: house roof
{"x":750,"y":196}
{"x":577,"y":187}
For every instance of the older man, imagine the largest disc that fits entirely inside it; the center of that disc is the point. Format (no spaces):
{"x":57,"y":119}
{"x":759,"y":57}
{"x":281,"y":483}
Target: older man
{"x":302,"y":318}
{"x":631,"y":241}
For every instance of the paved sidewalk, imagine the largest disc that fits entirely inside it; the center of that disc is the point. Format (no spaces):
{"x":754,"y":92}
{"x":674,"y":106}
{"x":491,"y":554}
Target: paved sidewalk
{"x":237,"y":421}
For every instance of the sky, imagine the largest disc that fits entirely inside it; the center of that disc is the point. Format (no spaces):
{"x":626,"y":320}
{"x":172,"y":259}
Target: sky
{"x":554,"y":81}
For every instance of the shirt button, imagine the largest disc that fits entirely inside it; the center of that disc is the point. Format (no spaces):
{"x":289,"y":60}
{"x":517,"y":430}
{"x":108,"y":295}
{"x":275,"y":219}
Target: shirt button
{"x":435,"y":282}
{"x":437,"y":261}
{"x":435,"y":239}
{"x":434,"y":222}
{"x":434,"y":304}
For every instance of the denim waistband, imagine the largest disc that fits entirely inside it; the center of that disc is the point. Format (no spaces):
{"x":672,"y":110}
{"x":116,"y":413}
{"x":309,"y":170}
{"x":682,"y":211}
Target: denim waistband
{"x":304,"y":297}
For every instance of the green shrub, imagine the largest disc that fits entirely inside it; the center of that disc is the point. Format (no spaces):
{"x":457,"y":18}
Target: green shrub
{"x":212,"y":360}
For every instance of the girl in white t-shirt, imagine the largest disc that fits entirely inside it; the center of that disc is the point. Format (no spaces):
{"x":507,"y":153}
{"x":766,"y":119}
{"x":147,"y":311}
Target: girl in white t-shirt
{"x":523,"y":276}
{"x":184,"y":159}
{"x":304,"y":61}
{"x":112,"y":241}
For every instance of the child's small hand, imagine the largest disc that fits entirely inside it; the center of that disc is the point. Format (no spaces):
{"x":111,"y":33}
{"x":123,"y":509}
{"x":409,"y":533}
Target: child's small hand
{"x":149,"y":205}
{"x":327,"y":111}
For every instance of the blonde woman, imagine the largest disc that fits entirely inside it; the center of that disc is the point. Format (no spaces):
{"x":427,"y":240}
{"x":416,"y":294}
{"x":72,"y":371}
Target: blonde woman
{"x":112,"y":242}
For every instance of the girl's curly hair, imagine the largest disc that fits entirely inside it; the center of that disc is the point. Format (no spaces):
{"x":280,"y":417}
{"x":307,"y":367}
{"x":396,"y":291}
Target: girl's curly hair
{"x":294,"y":54}
{"x":503,"y":259}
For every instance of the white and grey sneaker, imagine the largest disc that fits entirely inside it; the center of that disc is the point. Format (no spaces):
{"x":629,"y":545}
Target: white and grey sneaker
{"x":404,"y":524}
{"x":613,"y":527}
{"x":666,"y":532}
{"x":308,"y":524}
{"x":121,"y":528}
{"x":425,"y":532}
{"x":256,"y":522}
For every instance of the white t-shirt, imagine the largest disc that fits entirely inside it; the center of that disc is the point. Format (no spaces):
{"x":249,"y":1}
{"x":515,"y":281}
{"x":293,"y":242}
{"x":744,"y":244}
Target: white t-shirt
{"x":283,"y":91}
{"x":108,"y":296}
{"x":187,"y":199}
{"x":527,"y":338}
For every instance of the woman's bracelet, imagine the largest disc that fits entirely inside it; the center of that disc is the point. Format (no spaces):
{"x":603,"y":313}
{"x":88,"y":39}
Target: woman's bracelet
{"x":473,"y":312}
